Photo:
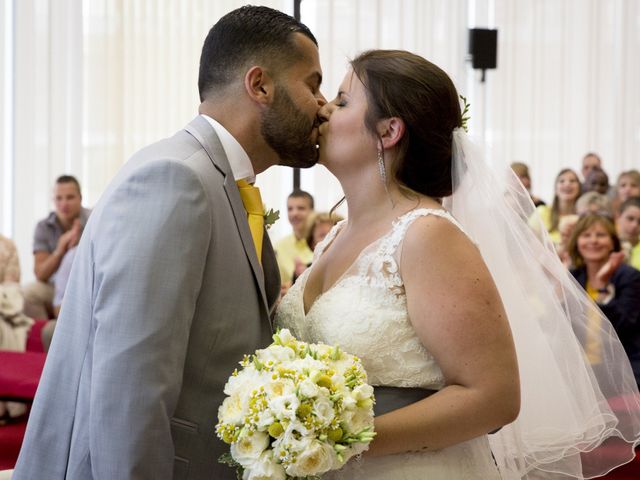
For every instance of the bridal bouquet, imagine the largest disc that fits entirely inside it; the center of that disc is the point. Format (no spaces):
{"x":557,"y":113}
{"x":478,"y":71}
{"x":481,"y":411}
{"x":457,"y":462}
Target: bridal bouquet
{"x":295,"y":410}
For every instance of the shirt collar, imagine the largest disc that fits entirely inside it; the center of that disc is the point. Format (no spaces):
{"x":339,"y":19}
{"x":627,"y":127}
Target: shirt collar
{"x":239,"y":161}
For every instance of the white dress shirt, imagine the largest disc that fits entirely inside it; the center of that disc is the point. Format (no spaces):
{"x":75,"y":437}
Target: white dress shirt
{"x":241,"y":166}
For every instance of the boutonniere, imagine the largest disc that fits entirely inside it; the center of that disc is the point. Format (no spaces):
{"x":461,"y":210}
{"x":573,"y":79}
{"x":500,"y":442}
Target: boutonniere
{"x":271,"y":216}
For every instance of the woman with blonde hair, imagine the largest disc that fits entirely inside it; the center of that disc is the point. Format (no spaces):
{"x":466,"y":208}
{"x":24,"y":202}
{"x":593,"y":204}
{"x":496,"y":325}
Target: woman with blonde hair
{"x":567,"y":192}
{"x":318,"y":226}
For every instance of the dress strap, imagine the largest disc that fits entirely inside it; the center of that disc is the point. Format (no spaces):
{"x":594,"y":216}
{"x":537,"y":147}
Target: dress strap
{"x":402,"y":224}
{"x":390,"y":247}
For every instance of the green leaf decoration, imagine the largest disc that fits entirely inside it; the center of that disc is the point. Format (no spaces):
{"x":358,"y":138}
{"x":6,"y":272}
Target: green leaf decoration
{"x":465,"y":114}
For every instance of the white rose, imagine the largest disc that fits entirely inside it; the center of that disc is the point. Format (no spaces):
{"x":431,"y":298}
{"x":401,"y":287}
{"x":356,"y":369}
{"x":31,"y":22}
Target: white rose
{"x":249,"y":447}
{"x":276,"y":354}
{"x":279,"y":388}
{"x":309,"y":364}
{"x":233,"y":409}
{"x":348,"y":402}
{"x":357,"y":420}
{"x":316,"y":459}
{"x":341,"y":366}
{"x":264,"y":468}
{"x":321,"y":348}
{"x":246,"y":381}
{"x":308,"y":388}
{"x":323,"y":409}
{"x":337,"y":380}
{"x":285,"y":336}
{"x":363,"y":392}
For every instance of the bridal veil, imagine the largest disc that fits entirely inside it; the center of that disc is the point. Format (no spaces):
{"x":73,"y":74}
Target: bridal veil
{"x":580,"y":413}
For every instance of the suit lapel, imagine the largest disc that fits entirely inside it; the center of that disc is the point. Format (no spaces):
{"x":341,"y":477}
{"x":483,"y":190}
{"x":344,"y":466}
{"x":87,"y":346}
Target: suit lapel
{"x":202,"y":131}
{"x":271,"y":271}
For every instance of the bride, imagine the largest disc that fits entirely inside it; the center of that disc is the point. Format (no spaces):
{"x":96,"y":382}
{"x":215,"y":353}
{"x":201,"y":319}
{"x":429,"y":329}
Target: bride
{"x":412,"y":290}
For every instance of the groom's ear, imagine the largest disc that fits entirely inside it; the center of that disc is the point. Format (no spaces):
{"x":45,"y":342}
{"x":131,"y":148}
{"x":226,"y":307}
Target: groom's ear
{"x":390,"y":131}
{"x":259,"y":85}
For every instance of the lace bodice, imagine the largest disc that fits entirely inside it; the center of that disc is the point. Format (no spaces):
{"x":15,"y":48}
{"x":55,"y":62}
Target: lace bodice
{"x":365,"y":312}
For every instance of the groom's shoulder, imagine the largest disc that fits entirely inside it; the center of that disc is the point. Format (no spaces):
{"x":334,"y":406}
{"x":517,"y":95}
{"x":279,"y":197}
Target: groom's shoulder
{"x":178,"y":147}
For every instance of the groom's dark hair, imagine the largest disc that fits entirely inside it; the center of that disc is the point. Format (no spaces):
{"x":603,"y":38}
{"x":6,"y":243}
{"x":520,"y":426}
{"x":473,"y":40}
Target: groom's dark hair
{"x":260,"y":35}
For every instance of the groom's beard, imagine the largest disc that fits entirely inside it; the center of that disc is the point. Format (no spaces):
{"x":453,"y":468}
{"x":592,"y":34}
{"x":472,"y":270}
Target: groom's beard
{"x":288,"y":131}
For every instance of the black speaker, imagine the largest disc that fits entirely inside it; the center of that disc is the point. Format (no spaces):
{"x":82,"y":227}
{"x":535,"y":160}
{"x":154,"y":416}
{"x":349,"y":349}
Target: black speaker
{"x":483,"y":47}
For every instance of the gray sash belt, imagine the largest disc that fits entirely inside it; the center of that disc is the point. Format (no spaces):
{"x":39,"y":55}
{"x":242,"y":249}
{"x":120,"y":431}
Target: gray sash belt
{"x":392,"y":398}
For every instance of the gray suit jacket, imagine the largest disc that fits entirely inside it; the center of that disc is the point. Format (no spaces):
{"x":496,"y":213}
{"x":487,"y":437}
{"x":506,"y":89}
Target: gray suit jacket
{"x":166,"y":295}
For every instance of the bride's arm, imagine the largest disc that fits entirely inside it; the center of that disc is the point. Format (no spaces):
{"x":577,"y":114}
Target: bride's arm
{"x":457,"y":313}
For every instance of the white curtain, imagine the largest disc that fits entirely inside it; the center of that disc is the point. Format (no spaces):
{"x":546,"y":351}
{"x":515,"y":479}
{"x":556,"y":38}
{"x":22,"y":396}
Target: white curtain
{"x":6,"y":118}
{"x":95,"y":80}
{"x":567,"y":83}
{"x":47,"y":127}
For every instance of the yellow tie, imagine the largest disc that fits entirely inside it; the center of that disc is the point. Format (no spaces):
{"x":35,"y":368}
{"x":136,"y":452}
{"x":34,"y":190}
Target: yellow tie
{"x":252,"y":202}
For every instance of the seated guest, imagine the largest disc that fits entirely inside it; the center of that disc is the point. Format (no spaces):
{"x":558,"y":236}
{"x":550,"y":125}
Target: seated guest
{"x":599,"y":267}
{"x":54,"y":236}
{"x":627,"y":186}
{"x":294,"y":247}
{"x":628,"y":226}
{"x":589,"y":162}
{"x":318,"y":226}
{"x":14,"y":329}
{"x":594,"y":202}
{"x":522,"y":172}
{"x":567,"y":191}
{"x":596,"y":180}
{"x":9,"y":263}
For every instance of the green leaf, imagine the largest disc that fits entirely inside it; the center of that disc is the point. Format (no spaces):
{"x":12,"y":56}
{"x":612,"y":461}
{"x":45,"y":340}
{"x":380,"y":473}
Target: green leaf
{"x":465,"y":113}
{"x":227,"y":459}
{"x":270,"y":217}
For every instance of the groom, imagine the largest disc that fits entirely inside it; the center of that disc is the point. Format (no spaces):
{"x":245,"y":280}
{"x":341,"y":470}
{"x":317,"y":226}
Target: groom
{"x":174,"y":280}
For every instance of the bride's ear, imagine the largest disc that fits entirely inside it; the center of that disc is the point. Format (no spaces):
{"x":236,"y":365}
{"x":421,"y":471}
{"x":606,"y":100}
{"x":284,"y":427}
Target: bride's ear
{"x":390,"y":131}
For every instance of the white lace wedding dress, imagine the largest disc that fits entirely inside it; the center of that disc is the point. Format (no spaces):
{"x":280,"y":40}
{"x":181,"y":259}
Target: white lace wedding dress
{"x":365,"y":312}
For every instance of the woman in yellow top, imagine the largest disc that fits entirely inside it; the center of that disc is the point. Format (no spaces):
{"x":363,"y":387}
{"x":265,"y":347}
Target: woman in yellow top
{"x":567,"y":191}
{"x":628,"y":225}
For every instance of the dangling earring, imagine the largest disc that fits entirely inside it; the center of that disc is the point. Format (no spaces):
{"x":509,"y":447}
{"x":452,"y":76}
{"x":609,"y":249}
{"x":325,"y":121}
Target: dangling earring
{"x":381,"y":168}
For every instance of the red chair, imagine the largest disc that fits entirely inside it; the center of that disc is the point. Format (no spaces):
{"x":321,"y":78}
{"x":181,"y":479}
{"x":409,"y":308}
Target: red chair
{"x":19,"y":376}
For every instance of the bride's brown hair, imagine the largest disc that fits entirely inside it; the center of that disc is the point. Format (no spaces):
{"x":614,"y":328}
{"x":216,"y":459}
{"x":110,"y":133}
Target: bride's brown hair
{"x":401,"y":84}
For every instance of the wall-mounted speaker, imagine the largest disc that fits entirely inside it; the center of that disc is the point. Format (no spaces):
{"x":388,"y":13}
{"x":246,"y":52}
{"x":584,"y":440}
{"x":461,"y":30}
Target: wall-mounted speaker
{"x":483,"y":47}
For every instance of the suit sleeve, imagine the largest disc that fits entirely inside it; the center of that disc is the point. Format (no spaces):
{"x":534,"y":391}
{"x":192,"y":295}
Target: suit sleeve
{"x":149,"y":247}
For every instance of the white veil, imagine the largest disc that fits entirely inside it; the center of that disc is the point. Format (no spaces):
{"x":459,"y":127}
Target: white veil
{"x":579,"y":417}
